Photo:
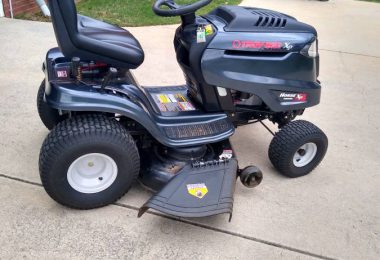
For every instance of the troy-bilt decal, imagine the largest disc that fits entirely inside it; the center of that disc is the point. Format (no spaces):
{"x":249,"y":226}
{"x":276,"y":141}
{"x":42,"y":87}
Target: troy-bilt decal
{"x":293,"y":97}
{"x":197,"y":190}
{"x":245,"y":44}
{"x":287,"y":46}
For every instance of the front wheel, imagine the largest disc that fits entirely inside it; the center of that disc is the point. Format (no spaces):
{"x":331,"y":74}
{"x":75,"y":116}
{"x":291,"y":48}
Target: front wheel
{"x":298,"y":148}
{"x":88,"y":161}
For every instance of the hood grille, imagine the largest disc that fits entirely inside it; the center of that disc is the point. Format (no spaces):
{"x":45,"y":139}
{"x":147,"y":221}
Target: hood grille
{"x":269,"y":19}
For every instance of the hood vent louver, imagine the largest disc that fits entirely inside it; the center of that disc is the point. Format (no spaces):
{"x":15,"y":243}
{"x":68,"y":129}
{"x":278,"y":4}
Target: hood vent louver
{"x":248,"y":19}
{"x":269,"y":19}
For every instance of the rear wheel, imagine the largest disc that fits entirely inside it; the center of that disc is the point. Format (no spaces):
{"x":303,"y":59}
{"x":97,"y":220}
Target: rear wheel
{"x":88,"y":161}
{"x":49,"y":116}
{"x":298,"y":148}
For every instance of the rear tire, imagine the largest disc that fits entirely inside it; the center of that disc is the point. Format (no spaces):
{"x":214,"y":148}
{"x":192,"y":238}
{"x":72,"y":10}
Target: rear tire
{"x":88,"y":161}
{"x":298,"y":148}
{"x":49,"y":116}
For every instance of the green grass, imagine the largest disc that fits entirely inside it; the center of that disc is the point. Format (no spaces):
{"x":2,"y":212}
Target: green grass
{"x":135,"y":12}
{"x":33,"y":17}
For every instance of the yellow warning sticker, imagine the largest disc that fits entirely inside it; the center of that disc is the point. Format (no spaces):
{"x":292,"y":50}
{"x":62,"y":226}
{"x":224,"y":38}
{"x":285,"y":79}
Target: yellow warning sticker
{"x":173,"y":102}
{"x":209,"y":30}
{"x":164,"y":99}
{"x":181,"y":98}
{"x":197,"y":190}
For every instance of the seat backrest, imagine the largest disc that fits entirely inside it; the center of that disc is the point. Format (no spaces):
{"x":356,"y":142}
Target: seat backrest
{"x":64,"y":18}
{"x":73,"y":42}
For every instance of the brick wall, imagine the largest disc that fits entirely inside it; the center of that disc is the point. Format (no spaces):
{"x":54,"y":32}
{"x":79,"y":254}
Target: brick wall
{"x":20,"y":6}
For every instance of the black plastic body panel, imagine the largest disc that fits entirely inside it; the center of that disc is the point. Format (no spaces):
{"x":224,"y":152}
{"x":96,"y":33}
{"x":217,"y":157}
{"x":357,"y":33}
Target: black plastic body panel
{"x":264,"y":60}
{"x":189,"y":54}
{"x":130,"y":101}
{"x":263,"y":63}
{"x":255,"y":76}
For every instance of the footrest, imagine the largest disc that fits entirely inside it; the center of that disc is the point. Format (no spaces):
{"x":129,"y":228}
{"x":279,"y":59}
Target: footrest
{"x":183,"y":122}
{"x":197,"y":192}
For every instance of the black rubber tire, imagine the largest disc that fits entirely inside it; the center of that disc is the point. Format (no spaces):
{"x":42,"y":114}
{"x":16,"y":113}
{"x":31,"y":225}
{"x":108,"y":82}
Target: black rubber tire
{"x":251,"y":176}
{"x":78,"y":136}
{"x":289,"y":139}
{"x":49,"y":116}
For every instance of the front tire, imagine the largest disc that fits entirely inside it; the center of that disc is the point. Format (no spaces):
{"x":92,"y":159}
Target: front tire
{"x":298,"y":148}
{"x":88,"y":161}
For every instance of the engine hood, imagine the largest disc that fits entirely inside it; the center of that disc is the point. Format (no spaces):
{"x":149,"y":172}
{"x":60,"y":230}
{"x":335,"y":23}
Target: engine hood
{"x":258,"y":30}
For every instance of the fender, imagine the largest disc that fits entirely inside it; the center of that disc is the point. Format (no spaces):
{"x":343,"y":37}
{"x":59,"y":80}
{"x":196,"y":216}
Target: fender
{"x":131,"y":102}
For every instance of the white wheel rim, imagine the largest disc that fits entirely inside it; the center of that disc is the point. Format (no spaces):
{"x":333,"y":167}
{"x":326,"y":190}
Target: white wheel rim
{"x":92,"y":173}
{"x":305,"y":154}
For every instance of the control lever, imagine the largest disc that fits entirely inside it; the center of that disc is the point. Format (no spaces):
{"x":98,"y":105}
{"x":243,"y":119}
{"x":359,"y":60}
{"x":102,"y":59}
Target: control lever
{"x":75,"y":68}
{"x":112,"y":73}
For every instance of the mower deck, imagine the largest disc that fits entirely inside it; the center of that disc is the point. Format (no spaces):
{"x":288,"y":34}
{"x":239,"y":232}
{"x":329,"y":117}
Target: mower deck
{"x":197,"y":191}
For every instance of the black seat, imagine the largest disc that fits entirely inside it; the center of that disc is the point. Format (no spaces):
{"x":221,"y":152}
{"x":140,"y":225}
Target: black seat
{"x":90,"y":39}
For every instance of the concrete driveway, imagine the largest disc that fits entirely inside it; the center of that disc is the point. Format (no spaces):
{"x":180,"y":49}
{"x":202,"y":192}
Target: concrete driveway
{"x":333,"y":213}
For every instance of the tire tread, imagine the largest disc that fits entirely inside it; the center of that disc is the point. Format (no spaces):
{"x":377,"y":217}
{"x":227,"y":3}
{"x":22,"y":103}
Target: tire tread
{"x":285,"y":140}
{"x":68,"y":132}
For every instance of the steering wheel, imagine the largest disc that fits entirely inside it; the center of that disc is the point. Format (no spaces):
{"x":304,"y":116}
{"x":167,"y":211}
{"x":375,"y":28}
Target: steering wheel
{"x":176,"y":9}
